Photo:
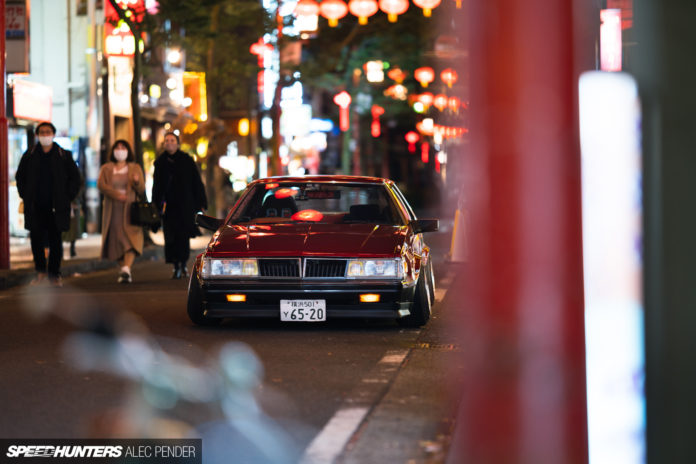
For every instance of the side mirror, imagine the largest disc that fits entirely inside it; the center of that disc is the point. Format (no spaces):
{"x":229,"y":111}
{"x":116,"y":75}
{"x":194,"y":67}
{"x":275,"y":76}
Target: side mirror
{"x":208,"y":222}
{"x":425,"y":225}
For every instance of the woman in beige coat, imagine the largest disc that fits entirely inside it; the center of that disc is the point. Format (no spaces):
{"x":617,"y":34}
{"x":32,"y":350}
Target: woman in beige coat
{"x":119,"y":181}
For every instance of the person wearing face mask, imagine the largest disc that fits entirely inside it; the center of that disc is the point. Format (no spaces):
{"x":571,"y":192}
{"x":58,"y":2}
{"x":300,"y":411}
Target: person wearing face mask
{"x":178,"y":190}
{"x":120,"y":181}
{"x":48,"y":180}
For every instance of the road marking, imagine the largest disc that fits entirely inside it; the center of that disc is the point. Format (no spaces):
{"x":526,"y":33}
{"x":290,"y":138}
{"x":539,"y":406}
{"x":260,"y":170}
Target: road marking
{"x":326,"y":446}
{"x":394,"y":357}
{"x":336,"y":434}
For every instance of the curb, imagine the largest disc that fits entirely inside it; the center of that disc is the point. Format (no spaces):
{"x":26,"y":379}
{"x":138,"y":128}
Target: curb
{"x":17,"y":277}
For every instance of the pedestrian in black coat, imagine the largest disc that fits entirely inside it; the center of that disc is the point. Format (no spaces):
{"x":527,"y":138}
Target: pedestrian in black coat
{"x":177,"y":189}
{"x":48,"y":180}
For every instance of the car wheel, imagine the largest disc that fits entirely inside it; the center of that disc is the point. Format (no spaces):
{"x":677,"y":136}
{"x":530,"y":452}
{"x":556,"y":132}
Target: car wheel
{"x":431,"y":280}
{"x":420,"y":308}
{"x":194,"y":305}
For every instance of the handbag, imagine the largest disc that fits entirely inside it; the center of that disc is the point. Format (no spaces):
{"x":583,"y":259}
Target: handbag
{"x":144,"y":213}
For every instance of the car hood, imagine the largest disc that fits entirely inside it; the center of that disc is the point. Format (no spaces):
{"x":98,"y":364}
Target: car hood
{"x":308,"y":239}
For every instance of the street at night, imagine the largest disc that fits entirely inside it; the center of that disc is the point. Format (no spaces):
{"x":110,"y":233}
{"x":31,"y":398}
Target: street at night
{"x":355,"y":390}
{"x":347,"y":231}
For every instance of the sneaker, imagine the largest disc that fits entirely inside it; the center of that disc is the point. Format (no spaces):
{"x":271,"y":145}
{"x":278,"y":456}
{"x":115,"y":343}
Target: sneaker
{"x":124,"y":278}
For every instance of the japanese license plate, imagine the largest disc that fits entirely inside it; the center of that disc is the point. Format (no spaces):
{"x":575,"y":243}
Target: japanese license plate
{"x":303,"y":310}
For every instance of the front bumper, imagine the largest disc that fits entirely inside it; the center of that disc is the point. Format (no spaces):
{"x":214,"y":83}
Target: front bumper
{"x":342,"y":297}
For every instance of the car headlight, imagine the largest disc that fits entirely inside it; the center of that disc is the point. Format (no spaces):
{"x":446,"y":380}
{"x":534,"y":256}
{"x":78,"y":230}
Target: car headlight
{"x":374,"y":268}
{"x":225,"y":267}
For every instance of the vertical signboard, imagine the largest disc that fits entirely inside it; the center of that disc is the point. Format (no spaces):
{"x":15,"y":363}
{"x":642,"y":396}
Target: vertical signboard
{"x":611,"y":242}
{"x":610,"y":40}
{"x":17,"y":36}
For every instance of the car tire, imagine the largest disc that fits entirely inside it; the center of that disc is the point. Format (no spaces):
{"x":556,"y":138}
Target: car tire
{"x":194,"y":304}
{"x":431,"y":281}
{"x":422,"y":303}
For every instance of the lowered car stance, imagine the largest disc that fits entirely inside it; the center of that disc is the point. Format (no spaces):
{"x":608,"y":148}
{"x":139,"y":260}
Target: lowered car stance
{"x":310,"y":249}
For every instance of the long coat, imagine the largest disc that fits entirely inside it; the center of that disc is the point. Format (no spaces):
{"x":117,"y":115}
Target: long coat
{"x":105,"y":185}
{"x":178,"y":190}
{"x":66,"y":184}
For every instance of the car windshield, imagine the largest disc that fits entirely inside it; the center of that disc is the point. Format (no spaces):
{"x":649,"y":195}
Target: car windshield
{"x":282,"y":202}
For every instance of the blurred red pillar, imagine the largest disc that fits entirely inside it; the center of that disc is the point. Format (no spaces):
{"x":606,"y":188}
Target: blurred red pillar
{"x":4,"y":157}
{"x":521,"y":314}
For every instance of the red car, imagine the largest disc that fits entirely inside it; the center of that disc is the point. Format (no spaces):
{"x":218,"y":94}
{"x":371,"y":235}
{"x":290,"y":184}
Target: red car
{"x":315,"y":248}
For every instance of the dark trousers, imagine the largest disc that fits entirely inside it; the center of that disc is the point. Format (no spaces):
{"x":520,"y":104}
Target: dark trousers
{"x":45,"y":232}
{"x":176,"y":243}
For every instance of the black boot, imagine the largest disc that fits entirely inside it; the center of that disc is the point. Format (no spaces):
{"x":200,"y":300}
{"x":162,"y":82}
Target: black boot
{"x":177,"y":271}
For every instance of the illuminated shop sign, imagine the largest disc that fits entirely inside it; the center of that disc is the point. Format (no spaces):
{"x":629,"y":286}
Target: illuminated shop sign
{"x":32,"y":101}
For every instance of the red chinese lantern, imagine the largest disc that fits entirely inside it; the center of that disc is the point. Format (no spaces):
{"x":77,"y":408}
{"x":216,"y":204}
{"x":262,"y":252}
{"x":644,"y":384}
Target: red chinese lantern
{"x":376,"y":129}
{"x":427,"y":6}
{"x":397,"y":92}
{"x":426,"y":98}
{"x":259,"y":48}
{"x":363,"y":9}
{"x":343,"y":101}
{"x":393,"y":8}
{"x":449,"y":76}
{"x":424,"y":75}
{"x":453,"y":104}
{"x":425,"y":152}
{"x":412,"y":137}
{"x":425,"y":127}
{"x":440,"y":101}
{"x":333,"y":10}
{"x":396,"y":74}
{"x":306,"y":8}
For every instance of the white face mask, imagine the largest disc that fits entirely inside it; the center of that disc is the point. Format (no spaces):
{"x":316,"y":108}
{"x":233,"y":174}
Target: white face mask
{"x":120,"y":155}
{"x":46,"y":140}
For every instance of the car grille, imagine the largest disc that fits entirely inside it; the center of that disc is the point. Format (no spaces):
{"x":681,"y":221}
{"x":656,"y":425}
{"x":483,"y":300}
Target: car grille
{"x":279,"y":267}
{"x":325,"y":268}
{"x":313,"y":268}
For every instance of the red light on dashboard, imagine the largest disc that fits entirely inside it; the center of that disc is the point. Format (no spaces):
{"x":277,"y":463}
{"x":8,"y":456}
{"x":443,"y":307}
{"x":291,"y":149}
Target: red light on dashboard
{"x":307,"y":215}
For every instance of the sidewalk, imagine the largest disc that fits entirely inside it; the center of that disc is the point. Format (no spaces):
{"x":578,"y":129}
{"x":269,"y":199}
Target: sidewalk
{"x":88,"y":250}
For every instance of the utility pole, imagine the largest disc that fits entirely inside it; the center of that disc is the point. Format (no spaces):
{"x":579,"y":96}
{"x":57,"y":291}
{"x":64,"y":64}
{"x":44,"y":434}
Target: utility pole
{"x":276,"y":111}
{"x":4,"y":155}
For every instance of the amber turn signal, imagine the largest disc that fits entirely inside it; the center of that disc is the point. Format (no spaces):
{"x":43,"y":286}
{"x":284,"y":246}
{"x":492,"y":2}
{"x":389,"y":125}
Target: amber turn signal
{"x":369,"y":298}
{"x":236,"y":297}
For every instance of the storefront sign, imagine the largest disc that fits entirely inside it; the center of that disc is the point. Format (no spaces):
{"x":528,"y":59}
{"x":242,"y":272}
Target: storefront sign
{"x":17,"y":36}
{"x":32,"y":101}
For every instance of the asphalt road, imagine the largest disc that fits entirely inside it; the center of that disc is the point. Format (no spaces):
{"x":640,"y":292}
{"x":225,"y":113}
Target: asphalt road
{"x":97,"y":359}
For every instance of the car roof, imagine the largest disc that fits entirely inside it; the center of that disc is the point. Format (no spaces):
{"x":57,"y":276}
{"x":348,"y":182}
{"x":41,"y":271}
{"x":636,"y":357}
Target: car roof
{"x":324,"y":179}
